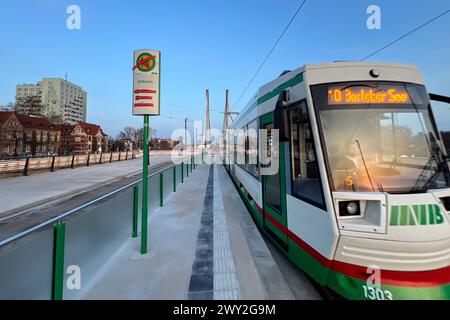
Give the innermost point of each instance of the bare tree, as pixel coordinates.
(135, 135)
(8, 107)
(54, 117)
(127, 133)
(29, 105)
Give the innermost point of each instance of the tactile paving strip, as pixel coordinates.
(226, 284)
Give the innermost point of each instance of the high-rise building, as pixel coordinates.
(54, 98)
(29, 99)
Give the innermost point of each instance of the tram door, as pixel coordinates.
(274, 189)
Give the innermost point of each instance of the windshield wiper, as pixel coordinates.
(441, 163)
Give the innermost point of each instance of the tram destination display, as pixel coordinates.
(354, 94)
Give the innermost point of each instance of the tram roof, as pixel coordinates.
(270, 86)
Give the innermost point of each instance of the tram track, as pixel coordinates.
(20, 221)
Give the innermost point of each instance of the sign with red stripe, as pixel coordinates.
(146, 82)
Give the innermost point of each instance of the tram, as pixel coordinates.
(360, 200)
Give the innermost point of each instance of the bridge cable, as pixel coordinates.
(268, 55)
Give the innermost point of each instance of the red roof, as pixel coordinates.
(89, 128)
(42, 123)
(65, 128)
(35, 122)
(4, 116)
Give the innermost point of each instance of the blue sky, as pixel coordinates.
(215, 44)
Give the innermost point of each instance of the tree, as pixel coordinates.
(127, 133)
(8, 107)
(135, 135)
(29, 105)
(54, 118)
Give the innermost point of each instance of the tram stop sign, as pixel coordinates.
(146, 82)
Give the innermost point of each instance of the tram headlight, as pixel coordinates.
(349, 208)
(352, 208)
(361, 212)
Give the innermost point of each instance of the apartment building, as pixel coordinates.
(53, 98)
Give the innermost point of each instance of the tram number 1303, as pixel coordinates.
(374, 293)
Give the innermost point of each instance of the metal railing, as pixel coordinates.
(51, 163)
(39, 262)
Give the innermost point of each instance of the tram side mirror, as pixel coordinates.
(441, 103)
(281, 116)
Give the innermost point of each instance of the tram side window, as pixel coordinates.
(251, 149)
(235, 149)
(241, 142)
(306, 183)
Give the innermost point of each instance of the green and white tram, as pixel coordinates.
(361, 200)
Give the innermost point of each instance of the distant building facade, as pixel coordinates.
(163, 144)
(29, 100)
(82, 138)
(27, 135)
(11, 134)
(40, 136)
(53, 98)
(22, 135)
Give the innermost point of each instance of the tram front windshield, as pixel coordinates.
(379, 137)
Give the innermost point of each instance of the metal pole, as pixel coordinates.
(185, 134)
(135, 210)
(144, 226)
(72, 166)
(175, 178)
(161, 189)
(58, 261)
(52, 169)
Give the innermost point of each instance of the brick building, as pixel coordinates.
(40, 136)
(27, 135)
(82, 138)
(11, 135)
(22, 135)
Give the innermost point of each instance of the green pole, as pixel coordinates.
(144, 223)
(58, 261)
(182, 172)
(187, 170)
(174, 178)
(135, 211)
(161, 189)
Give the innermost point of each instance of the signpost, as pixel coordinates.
(146, 97)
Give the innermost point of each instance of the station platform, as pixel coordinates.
(203, 244)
